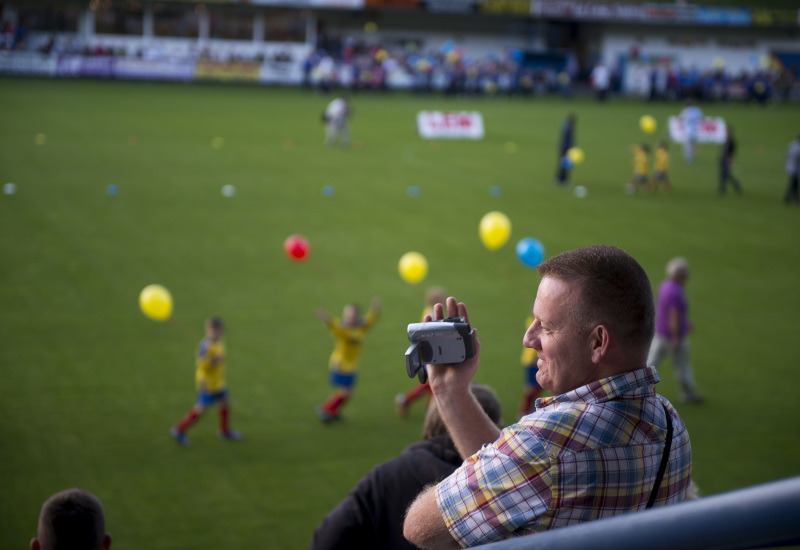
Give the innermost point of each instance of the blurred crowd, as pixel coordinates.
(774, 81)
(354, 65)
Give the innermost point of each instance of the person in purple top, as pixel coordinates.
(672, 329)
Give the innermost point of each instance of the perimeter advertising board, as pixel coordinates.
(711, 130)
(450, 125)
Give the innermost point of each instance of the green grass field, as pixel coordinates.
(90, 385)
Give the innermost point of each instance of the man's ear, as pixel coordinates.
(106, 542)
(599, 340)
(35, 544)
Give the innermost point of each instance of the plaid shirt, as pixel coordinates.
(590, 453)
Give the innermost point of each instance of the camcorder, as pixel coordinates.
(449, 340)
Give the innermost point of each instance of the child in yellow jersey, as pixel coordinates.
(435, 295)
(349, 336)
(641, 156)
(532, 388)
(211, 388)
(660, 169)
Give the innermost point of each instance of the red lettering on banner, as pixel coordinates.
(450, 124)
(450, 121)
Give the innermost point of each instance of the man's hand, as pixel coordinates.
(445, 378)
(469, 426)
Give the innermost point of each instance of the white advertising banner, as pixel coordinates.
(450, 124)
(711, 130)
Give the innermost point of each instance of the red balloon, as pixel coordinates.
(296, 248)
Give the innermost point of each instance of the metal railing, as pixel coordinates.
(762, 516)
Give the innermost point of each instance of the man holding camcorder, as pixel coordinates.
(604, 444)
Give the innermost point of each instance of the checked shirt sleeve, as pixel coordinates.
(499, 490)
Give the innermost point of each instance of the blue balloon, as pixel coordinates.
(495, 191)
(530, 252)
(112, 189)
(328, 190)
(414, 191)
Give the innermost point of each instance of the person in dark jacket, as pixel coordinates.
(726, 164)
(372, 514)
(565, 143)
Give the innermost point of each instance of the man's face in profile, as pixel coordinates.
(563, 349)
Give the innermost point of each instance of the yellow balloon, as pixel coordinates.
(156, 302)
(494, 229)
(413, 267)
(575, 154)
(648, 124)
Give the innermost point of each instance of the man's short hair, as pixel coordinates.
(216, 323)
(486, 398)
(614, 291)
(72, 519)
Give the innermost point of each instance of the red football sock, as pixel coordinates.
(188, 419)
(335, 402)
(416, 392)
(224, 412)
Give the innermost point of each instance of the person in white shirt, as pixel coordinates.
(601, 80)
(336, 126)
(692, 116)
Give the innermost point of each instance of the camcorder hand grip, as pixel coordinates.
(449, 341)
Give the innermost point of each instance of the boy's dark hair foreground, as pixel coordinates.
(72, 520)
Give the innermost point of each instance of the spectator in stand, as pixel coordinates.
(371, 516)
(599, 447)
(792, 168)
(74, 520)
(8, 35)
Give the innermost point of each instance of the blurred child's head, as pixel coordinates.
(351, 315)
(662, 145)
(435, 295)
(644, 147)
(486, 398)
(214, 327)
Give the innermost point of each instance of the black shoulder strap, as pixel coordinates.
(664, 459)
